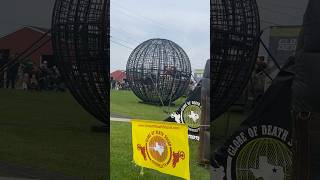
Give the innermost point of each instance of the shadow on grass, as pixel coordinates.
(51, 132)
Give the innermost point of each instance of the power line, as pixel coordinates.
(146, 19)
(122, 40)
(278, 5)
(270, 54)
(278, 12)
(283, 9)
(131, 14)
(269, 22)
(120, 44)
(124, 32)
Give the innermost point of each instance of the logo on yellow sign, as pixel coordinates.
(158, 149)
(161, 146)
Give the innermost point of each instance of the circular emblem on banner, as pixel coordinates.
(258, 152)
(266, 158)
(159, 148)
(191, 114)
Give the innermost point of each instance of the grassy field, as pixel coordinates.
(125, 103)
(224, 127)
(50, 131)
(122, 167)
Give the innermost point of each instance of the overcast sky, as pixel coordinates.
(185, 22)
(17, 13)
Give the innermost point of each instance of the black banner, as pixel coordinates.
(306, 96)
(190, 113)
(306, 86)
(262, 146)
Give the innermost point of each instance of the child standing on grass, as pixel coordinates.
(33, 82)
(25, 81)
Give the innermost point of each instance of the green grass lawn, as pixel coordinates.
(49, 130)
(224, 126)
(122, 167)
(125, 103)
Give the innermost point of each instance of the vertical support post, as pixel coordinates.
(301, 152)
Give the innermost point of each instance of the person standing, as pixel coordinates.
(34, 82)
(25, 81)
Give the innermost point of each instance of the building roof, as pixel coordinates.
(118, 75)
(22, 39)
(39, 29)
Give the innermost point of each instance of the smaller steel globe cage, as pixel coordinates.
(158, 71)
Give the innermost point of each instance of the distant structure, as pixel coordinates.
(118, 75)
(283, 42)
(158, 71)
(282, 45)
(18, 41)
(198, 74)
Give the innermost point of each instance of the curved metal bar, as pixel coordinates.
(158, 71)
(80, 38)
(235, 32)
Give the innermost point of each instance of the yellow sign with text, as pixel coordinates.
(161, 146)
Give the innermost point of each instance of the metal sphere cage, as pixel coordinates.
(158, 71)
(80, 38)
(235, 33)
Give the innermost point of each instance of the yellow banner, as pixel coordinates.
(161, 146)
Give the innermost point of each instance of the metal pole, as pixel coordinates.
(273, 59)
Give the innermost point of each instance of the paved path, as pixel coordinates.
(113, 115)
(119, 119)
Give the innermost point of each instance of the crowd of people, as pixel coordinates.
(124, 85)
(119, 85)
(43, 78)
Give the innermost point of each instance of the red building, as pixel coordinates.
(118, 75)
(18, 41)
